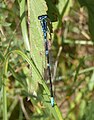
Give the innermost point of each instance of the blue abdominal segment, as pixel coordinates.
(52, 101)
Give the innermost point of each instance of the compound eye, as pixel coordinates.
(42, 17)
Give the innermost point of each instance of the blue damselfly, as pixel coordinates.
(43, 21)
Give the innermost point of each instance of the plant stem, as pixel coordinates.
(4, 91)
(4, 101)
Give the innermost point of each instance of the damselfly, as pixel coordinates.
(43, 21)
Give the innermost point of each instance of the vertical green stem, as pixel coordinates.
(4, 93)
(28, 7)
(23, 24)
(4, 102)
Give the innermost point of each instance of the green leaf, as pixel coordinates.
(90, 6)
(91, 82)
(63, 9)
(35, 39)
(45, 92)
(82, 108)
(78, 69)
(89, 111)
(5, 24)
(23, 25)
(52, 11)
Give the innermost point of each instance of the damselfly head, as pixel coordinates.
(42, 17)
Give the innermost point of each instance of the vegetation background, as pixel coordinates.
(24, 91)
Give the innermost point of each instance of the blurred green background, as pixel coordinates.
(24, 91)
